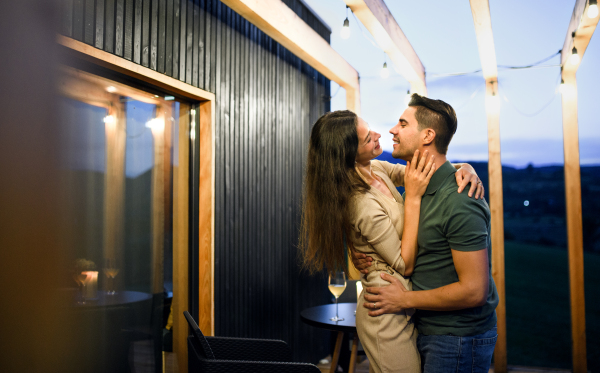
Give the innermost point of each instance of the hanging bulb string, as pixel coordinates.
(542, 108)
(460, 107)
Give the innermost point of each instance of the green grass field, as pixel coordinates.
(537, 306)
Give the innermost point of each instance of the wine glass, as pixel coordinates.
(80, 278)
(337, 285)
(110, 271)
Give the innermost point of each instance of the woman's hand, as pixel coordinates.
(465, 175)
(417, 174)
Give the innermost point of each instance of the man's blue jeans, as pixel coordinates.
(448, 353)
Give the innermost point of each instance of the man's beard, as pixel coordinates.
(402, 153)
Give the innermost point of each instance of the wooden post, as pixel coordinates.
(574, 220)
(114, 182)
(206, 221)
(497, 214)
(158, 211)
(180, 238)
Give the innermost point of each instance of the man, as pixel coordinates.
(454, 293)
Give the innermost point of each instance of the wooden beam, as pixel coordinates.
(482, 20)
(485, 38)
(496, 198)
(378, 19)
(158, 204)
(114, 185)
(584, 27)
(206, 221)
(574, 221)
(580, 31)
(121, 65)
(278, 21)
(180, 238)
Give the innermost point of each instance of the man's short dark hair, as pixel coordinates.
(439, 116)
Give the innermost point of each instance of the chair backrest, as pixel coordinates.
(197, 333)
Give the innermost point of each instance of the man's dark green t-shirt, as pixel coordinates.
(451, 220)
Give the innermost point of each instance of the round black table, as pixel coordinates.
(320, 316)
(120, 298)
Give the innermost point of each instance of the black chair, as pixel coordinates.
(221, 354)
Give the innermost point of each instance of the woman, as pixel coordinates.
(348, 194)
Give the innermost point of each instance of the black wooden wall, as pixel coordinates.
(266, 102)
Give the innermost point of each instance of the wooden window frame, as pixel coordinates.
(205, 122)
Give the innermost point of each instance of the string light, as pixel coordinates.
(562, 86)
(345, 32)
(574, 57)
(111, 89)
(592, 9)
(109, 119)
(407, 98)
(385, 73)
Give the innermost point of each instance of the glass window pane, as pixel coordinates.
(118, 188)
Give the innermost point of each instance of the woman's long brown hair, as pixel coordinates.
(331, 179)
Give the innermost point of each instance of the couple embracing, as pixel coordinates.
(429, 300)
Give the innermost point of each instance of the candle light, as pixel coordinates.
(91, 285)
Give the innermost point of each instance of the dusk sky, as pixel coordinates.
(443, 35)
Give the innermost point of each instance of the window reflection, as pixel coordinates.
(117, 162)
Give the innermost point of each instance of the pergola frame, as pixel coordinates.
(378, 19)
(580, 31)
(278, 21)
(487, 54)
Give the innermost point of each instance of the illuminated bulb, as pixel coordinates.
(156, 124)
(111, 89)
(345, 33)
(385, 73)
(169, 98)
(407, 98)
(574, 57)
(562, 87)
(109, 119)
(592, 9)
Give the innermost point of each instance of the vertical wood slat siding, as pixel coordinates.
(137, 31)
(119, 24)
(99, 40)
(266, 102)
(109, 26)
(128, 34)
(89, 22)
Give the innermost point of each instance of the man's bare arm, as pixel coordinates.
(470, 291)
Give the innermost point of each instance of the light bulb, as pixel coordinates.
(385, 73)
(574, 57)
(109, 119)
(407, 98)
(345, 33)
(156, 124)
(592, 10)
(562, 87)
(111, 89)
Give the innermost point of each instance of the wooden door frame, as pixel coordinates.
(204, 117)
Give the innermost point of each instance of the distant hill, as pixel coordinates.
(534, 203)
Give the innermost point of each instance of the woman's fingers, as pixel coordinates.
(428, 166)
(473, 188)
(480, 190)
(415, 160)
(431, 172)
(422, 161)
